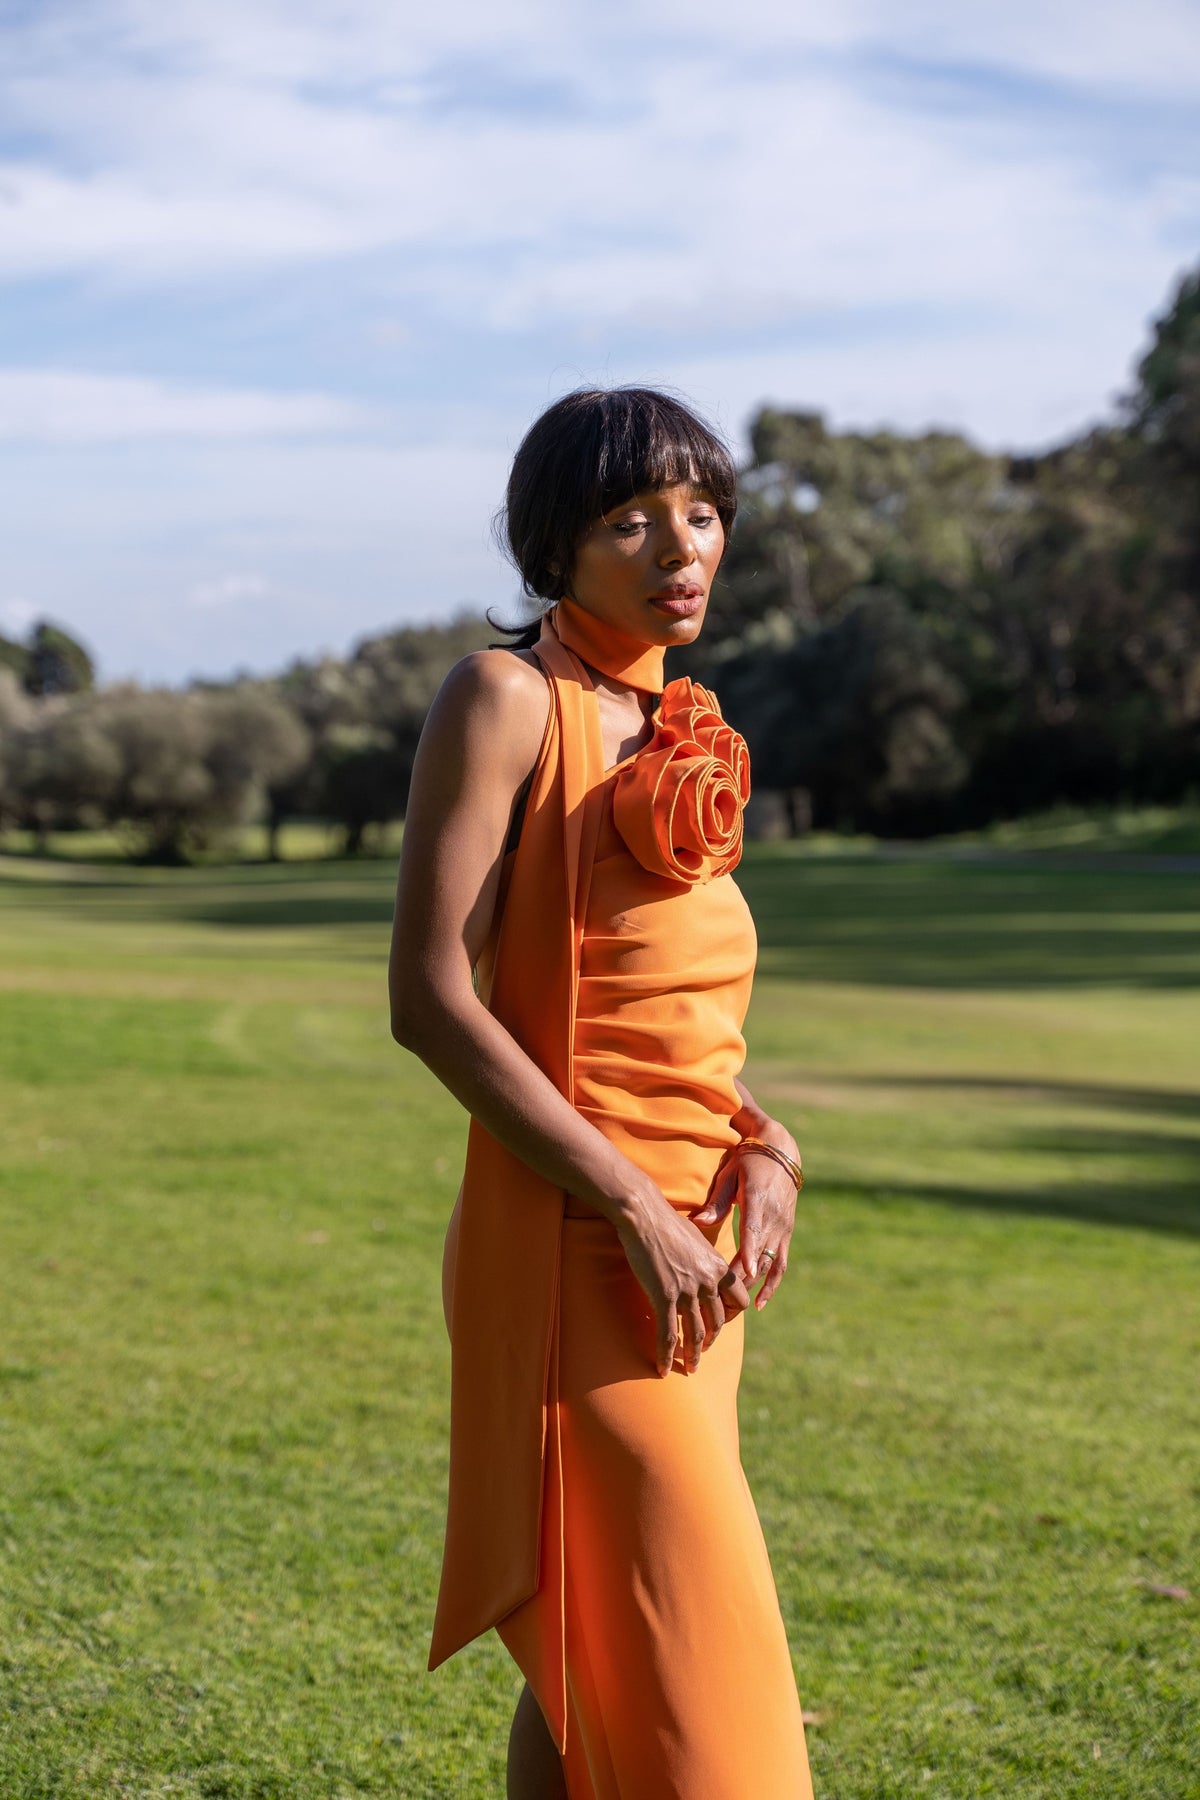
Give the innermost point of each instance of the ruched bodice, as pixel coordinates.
(664, 983)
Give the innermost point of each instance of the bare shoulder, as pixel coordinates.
(500, 696)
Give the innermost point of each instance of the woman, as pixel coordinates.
(572, 959)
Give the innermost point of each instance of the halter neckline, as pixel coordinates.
(604, 647)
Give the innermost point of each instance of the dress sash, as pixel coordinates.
(504, 1462)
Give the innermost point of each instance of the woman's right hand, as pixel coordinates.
(690, 1286)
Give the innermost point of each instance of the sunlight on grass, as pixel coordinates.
(970, 1423)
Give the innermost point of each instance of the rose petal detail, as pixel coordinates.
(678, 804)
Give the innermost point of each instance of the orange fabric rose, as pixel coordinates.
(678, 803)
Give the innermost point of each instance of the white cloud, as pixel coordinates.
(1151, 48)
(833, 207)
(228, 590)
(136, 229)
(18, 615)
(217, 143)
(1033, 386)
(66, 406)
(358, 45)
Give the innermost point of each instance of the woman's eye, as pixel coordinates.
(703, 519)
(627, 527)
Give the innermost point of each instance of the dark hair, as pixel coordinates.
(592, 450)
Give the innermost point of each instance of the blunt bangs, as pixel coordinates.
(593, 450)
(651, 443)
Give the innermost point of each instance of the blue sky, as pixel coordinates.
(281, 285)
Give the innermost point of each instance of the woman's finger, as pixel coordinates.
(778, 1269)
(732, 1290)
(751, 1239)
(694, 1332)
(667, 1338)
(713, 1308)
(768, 1219)
(720, 1201)
(759, 1206)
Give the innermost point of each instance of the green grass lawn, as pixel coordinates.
(971, 1420)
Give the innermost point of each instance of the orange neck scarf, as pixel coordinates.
(603, 647)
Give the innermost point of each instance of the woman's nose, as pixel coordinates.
(677, 544)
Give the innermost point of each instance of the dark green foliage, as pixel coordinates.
(857, 713)
(57, 663)
(365, 716)
(1166, 404)
(362, 780)
(50, 662)
(920, 636)
(14, 656)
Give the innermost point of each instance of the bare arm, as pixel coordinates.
(478, 747)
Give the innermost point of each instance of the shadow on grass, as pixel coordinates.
(1179, 1102)
(940, 925)
(885, 923)
(890, 923)
(298, 911)
(268, 896)
(1164, 1195)
(1171, 1206)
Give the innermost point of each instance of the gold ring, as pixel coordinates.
(769, 1254)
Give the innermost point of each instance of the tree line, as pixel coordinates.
(915, 635)
(175, 771)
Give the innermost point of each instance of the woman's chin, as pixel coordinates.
(670, 629)
(683, 631)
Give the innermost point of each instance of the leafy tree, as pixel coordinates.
(1058, 595)
(15, 714)
(823, 514)
(257, 745)
(363, 780)
(163, 791)
(857, 715)
(1165, 406)
(14, 658)
(57, 663)
(65, 766)
(375, 706)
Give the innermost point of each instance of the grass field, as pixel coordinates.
(1100, 831)
(971, 1421)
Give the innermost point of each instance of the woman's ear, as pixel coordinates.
(561, 584)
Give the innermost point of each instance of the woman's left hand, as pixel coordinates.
(765, 1194)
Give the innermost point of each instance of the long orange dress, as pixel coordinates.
(651, 1633)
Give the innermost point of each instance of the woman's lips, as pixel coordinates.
(681, 605)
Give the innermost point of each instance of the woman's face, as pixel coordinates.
(647, 567)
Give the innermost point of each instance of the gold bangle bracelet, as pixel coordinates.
(781, 1157)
